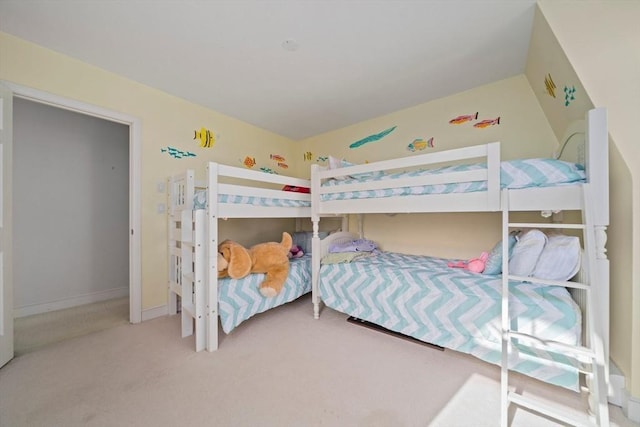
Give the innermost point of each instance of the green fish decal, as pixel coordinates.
(372, 138)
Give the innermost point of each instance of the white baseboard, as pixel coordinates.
(69, 302)
(152, 313)
(616, 385)
(619, 395)
(631, 407)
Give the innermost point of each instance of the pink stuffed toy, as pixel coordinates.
(295, 252)
(475, 265)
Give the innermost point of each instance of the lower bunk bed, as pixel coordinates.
(424, 298)
(193, 286)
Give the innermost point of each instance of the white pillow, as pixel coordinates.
(336, 163)
(560, 258)
(526, 252)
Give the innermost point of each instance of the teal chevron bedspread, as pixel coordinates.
(421, 297)
(514, 174)
(200, 201)
(240, 299)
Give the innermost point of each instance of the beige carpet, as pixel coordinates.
(281, 368)
(40, 330)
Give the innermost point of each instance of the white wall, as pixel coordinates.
(71, 208)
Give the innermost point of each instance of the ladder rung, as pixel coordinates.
(546, 225)
(189, 308)
(541, 406)
(176, 288)
(557, 346)
(576, 285)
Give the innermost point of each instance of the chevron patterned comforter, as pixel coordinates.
(514, 174)
(200, 201)
(421, 297)
(240, 299)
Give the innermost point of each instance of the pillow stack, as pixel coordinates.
(534, 254)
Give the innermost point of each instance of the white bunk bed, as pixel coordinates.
(193, 245)
(370, 188)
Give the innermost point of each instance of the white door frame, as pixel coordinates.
(135, 281)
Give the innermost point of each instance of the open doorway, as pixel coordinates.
(71, 224)
(134, 126)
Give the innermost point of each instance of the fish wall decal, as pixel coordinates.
(206, 137)
(486, 123)
(372, 138)
(464, 118)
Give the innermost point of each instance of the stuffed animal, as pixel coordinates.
(295, 252)
(475, 265)
(269, 258)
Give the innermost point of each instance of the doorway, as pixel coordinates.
(70, 206)
(134, 214)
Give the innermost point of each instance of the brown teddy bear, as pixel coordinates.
(269, 258)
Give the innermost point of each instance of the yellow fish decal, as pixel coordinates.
(420, 144)
(206, 137)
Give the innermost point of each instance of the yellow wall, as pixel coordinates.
(166, 121)
(600, 40)
(523, 132)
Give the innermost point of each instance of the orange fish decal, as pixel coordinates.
(249, 162)
(462, 119)
(486, 123)
(277, 157)
(283, 165)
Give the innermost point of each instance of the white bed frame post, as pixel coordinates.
(597, 153)
(212, 254)
(315, 241)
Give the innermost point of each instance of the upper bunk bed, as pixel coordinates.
(193, 246)
(472, 184)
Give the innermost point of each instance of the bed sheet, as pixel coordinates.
(240, 299)
(422, 297)
(200, 201)
(513, 174)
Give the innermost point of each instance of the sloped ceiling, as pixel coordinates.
(296, 68)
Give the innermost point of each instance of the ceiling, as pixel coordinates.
(351, 60)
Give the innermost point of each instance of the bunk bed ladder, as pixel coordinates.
(186, 254)
(591, 356)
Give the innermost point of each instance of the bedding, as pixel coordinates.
(240, 299)
(200, 201)
(514, 174)
(494, 261)
(526, 252)
(560, 258)
(421, 297)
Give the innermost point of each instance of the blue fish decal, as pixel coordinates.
(177, 154)
(268, 170)
(372, 138)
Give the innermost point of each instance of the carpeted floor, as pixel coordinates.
(280, 368)
(40, 330)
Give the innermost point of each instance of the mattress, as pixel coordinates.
(513, 174)
(422, 297)
(200, 201)
(240, 299)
